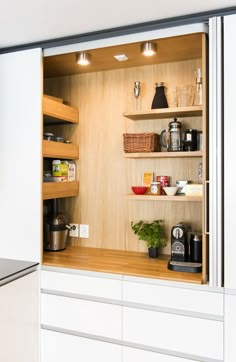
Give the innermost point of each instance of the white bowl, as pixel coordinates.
(170, 190)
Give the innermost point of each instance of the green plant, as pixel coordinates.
(151, 232)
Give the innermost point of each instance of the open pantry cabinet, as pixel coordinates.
(103, 94)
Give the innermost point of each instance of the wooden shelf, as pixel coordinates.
(180, 154)
(57, 112)
(53, 190)
(178, 198)
(59, 150)
(191, 111)
(118, 262)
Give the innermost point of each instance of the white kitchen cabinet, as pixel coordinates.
(61, 347)
(230, 328)
(89, 284)
(81, 315)
(19, 323)
(20, 150)
(138, 355)
(173, 332)
(229, 152)
(174, 297)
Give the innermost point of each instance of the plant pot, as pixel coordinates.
(153, 252)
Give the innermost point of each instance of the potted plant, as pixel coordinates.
(152, 233)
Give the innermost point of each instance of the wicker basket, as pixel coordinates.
(141, 142)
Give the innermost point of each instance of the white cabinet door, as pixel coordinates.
(229, 151)
(83, 316)
(19, 322)
(138, 355)
(230, 328)
(60, 347)
(20, 152)
(172, 332)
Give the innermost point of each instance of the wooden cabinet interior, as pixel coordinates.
(56, 113)
(106, 104)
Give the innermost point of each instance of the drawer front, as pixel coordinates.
(195, 336)
(81, 315)
(174, 297)
(60, 347)
(81, 284)
(139, 355)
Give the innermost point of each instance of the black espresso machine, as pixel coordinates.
(186, 250)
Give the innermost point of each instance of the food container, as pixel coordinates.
(48, 136)
(155, 188)
(164, 181)
(60, 169)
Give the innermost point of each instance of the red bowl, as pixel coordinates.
(139, 190)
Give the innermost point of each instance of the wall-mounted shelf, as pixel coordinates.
(177, 198)
(53, 190)
(191, 111)
(59, 150)
(164, 154)
(57, 112)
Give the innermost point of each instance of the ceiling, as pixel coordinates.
(27, 21)
(171, 49)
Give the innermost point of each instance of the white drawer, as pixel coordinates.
(60, 347)
(81, 284)
(174, 297)
(81, 315)
(172, 332)
(139, 355)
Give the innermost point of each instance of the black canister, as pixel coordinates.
(159, 100)
(190, 140)
(196, 248)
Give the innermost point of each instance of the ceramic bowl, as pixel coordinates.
(139, 190)
(170, 190)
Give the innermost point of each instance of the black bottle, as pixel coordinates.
(159, 100)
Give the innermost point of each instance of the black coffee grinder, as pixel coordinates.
(180, 258)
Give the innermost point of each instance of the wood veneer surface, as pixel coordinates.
(117, 262)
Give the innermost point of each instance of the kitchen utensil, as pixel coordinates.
(190, 140)
(55, 230)
(159, 100)
(174, 136)
(139, 190)
(170, 190)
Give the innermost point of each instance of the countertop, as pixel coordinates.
(117, 262)
(11, 269)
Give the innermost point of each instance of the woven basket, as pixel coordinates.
(141, 142)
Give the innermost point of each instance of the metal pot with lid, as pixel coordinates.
(174, 138)
(56, 230)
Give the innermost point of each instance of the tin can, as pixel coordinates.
(60, 169)
(155, 188)
(164, 181)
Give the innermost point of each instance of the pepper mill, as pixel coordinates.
(159, 100)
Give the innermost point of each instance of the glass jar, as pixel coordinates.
(155, 188)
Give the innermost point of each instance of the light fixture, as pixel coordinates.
(83, 58)
(121, 57)
(148, 49)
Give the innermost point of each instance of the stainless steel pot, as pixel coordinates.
(56, 231)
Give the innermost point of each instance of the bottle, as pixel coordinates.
(198, 90)
(159, 100)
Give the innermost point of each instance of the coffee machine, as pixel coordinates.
(180, 255)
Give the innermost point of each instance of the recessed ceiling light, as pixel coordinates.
(148, 49)
(83, 58)
(121, 57)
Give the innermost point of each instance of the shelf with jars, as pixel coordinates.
(56, 113)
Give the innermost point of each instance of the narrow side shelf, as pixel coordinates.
(164, 154)
(56, 112)
(53, 190)
(191, 111)
(53, 149)
(177, 198)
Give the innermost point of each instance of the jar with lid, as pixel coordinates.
(60, 170)
(155, 188)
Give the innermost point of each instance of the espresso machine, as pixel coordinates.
(181, 256)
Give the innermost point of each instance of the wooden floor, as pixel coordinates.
(118, 262)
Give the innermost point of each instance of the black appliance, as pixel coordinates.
(181, 258)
